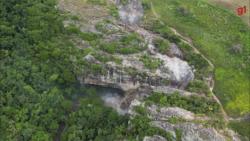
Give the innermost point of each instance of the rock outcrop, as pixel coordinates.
(130, 95)
(131, 13)
(155, 138)
(174, 51)
(163, 113)
(190, 131)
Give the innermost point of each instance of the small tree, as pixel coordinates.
(67, 105)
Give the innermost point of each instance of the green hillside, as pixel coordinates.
(220, 36)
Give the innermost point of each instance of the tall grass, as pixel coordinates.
(213, 30)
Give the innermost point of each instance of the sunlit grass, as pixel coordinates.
(213, 30)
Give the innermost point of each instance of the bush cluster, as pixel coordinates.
(105, 59)
(161, 44)
(196, 104)
(192, 57)
(149, 62)
(159, 28)
(110, 48)
(141, 110)
(198, 87)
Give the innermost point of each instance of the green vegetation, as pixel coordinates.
(134, 71)
(111, 48)
(142, 128)
(105, 59)
(127, 50)
(127, 40)
(178, 134)
(97, 2)
(198, 87)
(141, 110)
(100, 27)
(160, 28)
(94, 121)
(196, 104)
(36, 73)
(75, 17)
(241, 127)
(213, 30)
(161, 44)
(193, 58)
(67, 105)
(113, 11)
(149, 62)
(216, 123)
(124, 2)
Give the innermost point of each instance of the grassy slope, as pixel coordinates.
(233, 5)
(240, 127)
(213, 30)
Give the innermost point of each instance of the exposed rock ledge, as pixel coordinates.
(164, 113)
(190, 131)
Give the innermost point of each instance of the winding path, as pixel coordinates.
(197, 51)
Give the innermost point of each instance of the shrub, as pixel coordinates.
(149, 62)
(161, 44)
(113, 11)
(98, 69)
(173, 120)
(86, 52)
(141, 110)
(146, 5)
(198, 87)
(193, 103)
(178, 134)
(111, 48)
(67, 105)
(128, 39)
(109, 22)
(72, 29)
(75, 17)
(127, 50)
(124, 2)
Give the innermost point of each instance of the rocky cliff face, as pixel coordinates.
(178, 75)
(179, 72)
(190, 131)
(131, 13)
(163, 113)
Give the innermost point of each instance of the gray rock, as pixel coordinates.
(164, 113)
(190, 131)
(131, 13)
(174, 51)
(155, 138)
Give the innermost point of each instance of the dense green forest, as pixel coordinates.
(36, 73)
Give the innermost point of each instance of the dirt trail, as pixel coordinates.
(210, 79)
(158, 16)
(184, 39)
